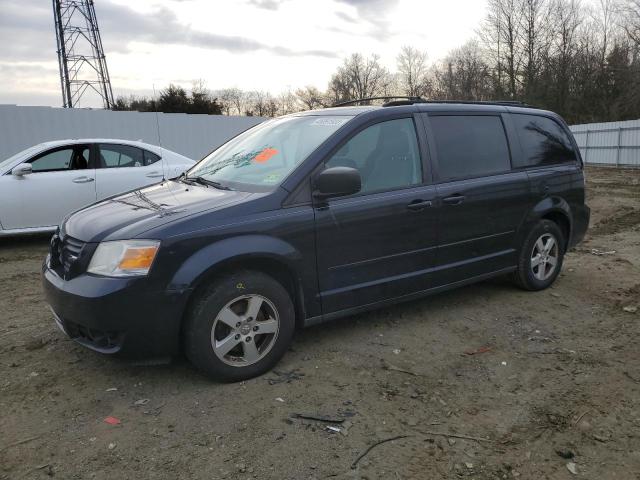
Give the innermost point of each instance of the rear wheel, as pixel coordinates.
(239, 327)
(541, 257)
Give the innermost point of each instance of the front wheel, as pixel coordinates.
(540, 257)
(239, 327)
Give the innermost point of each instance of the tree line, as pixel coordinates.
(579, 59)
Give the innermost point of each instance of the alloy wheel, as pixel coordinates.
(245, 330)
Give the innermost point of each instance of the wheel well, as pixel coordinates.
(562, 221)
(274, 268)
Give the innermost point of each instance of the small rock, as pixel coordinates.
(112, 389)
(630, 309)
(600, 438)
(241, 467)
(112, 446)
(452, 441)
(397, 351)
(142, 401)
(572, 467)
(504, 364)
(469, 465)
(566, 454)
(279, 399)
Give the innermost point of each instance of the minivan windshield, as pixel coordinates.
(262, 157)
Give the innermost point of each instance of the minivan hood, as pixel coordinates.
(131, 214)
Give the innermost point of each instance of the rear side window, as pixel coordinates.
(150, 157)
(543, 141)
(470, 145)
(117, 156)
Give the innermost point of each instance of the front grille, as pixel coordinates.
(70, 250)
(68, 255)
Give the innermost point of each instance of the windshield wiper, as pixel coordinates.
(208, 183)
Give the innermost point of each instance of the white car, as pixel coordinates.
(42, 184)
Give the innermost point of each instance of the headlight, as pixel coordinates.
(124, 258)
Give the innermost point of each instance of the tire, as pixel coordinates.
(224, 340)
(532, 275)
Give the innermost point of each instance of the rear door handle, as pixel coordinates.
(83, 179)
(453, 200)
(419, 204)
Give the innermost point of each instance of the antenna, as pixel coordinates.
(164, 175)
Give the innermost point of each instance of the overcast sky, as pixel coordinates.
(251, 44)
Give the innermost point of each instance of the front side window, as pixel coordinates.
(72, 158)
(386, 155)
(470, 145)
(543, 141)
(263, 156)
(116, 156)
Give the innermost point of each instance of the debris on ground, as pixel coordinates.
(595, 251)
(319, 418)
(572, 467)
(566, 454)
(112, 421)
(285, 377)
(280, 399)
(630, 309)
(478, 350)
(371, 447)
(142, 401)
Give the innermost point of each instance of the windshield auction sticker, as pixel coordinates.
(329, 122)
(265, 155)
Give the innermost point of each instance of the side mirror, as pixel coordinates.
(22, 169)
(336, 182)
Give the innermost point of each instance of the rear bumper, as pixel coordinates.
(581, 217)
(115, 315)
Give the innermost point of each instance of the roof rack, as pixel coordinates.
(406, 100)
(506, 103)
(397, 100)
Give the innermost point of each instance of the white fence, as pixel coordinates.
(613, 143)
(191, 135)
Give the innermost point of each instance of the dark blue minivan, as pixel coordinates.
(314, 216)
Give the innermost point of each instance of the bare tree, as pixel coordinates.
(630, 15)
(412, 72)
(501, 33)
(310, 97)
(360, 77)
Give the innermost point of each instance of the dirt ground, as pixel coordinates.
(560, 377)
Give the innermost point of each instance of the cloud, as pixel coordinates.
(27, 32)
(373, 12)
(161, 26)
(266, 4)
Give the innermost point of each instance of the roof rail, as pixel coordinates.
(406, 100)
(506, 103)
(396, 100)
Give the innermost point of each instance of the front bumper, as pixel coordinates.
(116, 315)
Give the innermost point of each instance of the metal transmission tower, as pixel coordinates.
(82, 62)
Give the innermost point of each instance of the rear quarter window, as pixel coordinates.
(470, 145)
(543, 141)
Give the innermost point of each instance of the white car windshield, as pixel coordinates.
(266, 154)
(24, 153)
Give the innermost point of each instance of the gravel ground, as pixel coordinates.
(556, 374)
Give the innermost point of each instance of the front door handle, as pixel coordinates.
(419, 205)
(83, 179)
(453, 199)
(154, 174)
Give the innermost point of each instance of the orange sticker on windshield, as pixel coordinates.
(265, 155)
